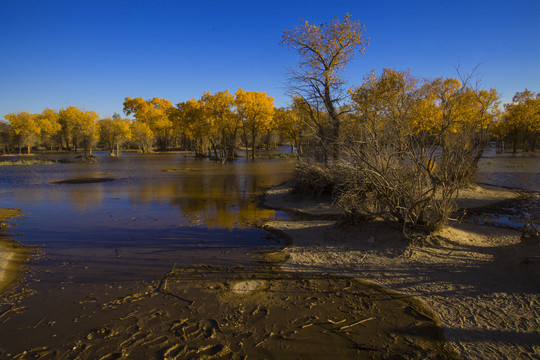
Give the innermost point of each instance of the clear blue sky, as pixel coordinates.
(93, 54)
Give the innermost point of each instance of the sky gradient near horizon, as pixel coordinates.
(93, 54)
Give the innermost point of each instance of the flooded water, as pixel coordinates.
(518, 170)
(159, 211)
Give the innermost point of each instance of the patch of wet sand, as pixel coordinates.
(12, 255)
(194, 312)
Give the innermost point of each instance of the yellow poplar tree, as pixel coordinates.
(196, 125)
(522, 120)
(224, 123)
(85, 126)
(26, 127)
(156, 113)
(80, 125)
(67, 117)
(325, 50)
(142, 135)
(256, 110)
(290, 126)
(114, 132)
(49, 125)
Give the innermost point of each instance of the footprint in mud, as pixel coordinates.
(258, 314)
(103, 333)
(155, 342)
(203, 329)
(213, 351)
(111, 356)
(210, 351)
(177, 351)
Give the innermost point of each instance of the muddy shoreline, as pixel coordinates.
(480, 280)
(255, 311)
(212, 312)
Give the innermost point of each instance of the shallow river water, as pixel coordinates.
(518, 170)
(158, 211)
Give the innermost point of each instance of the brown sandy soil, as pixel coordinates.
(210, 312)
(482, 282)
(6, 214)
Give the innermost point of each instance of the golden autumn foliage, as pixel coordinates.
(256, 110)
(114, 132)
(80, 125)
(156, 113)
(191, 118)
(25, 127)
(224, 123)
(521, 121)
(328, 47)
(390, 96)
(49, 125)
(427, 107)
(291, 127)
(142, 136)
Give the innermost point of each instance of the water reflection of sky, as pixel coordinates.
(146, 187)
(164, 202)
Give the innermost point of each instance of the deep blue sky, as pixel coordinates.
(93, 54)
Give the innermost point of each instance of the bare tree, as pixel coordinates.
(325, 51)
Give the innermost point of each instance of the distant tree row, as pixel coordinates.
(322, 113)
(69, 128)
(217, 124)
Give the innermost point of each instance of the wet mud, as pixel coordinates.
(217, 312)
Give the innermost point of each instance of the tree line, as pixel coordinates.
(217, 124)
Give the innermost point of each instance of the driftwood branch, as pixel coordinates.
(356, 323)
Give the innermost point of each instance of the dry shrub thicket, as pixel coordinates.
(406, 149)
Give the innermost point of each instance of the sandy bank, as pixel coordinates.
(5, 258)
(9, 253)
(481, 281)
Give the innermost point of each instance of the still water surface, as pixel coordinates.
(161, 210)
(510, 170)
